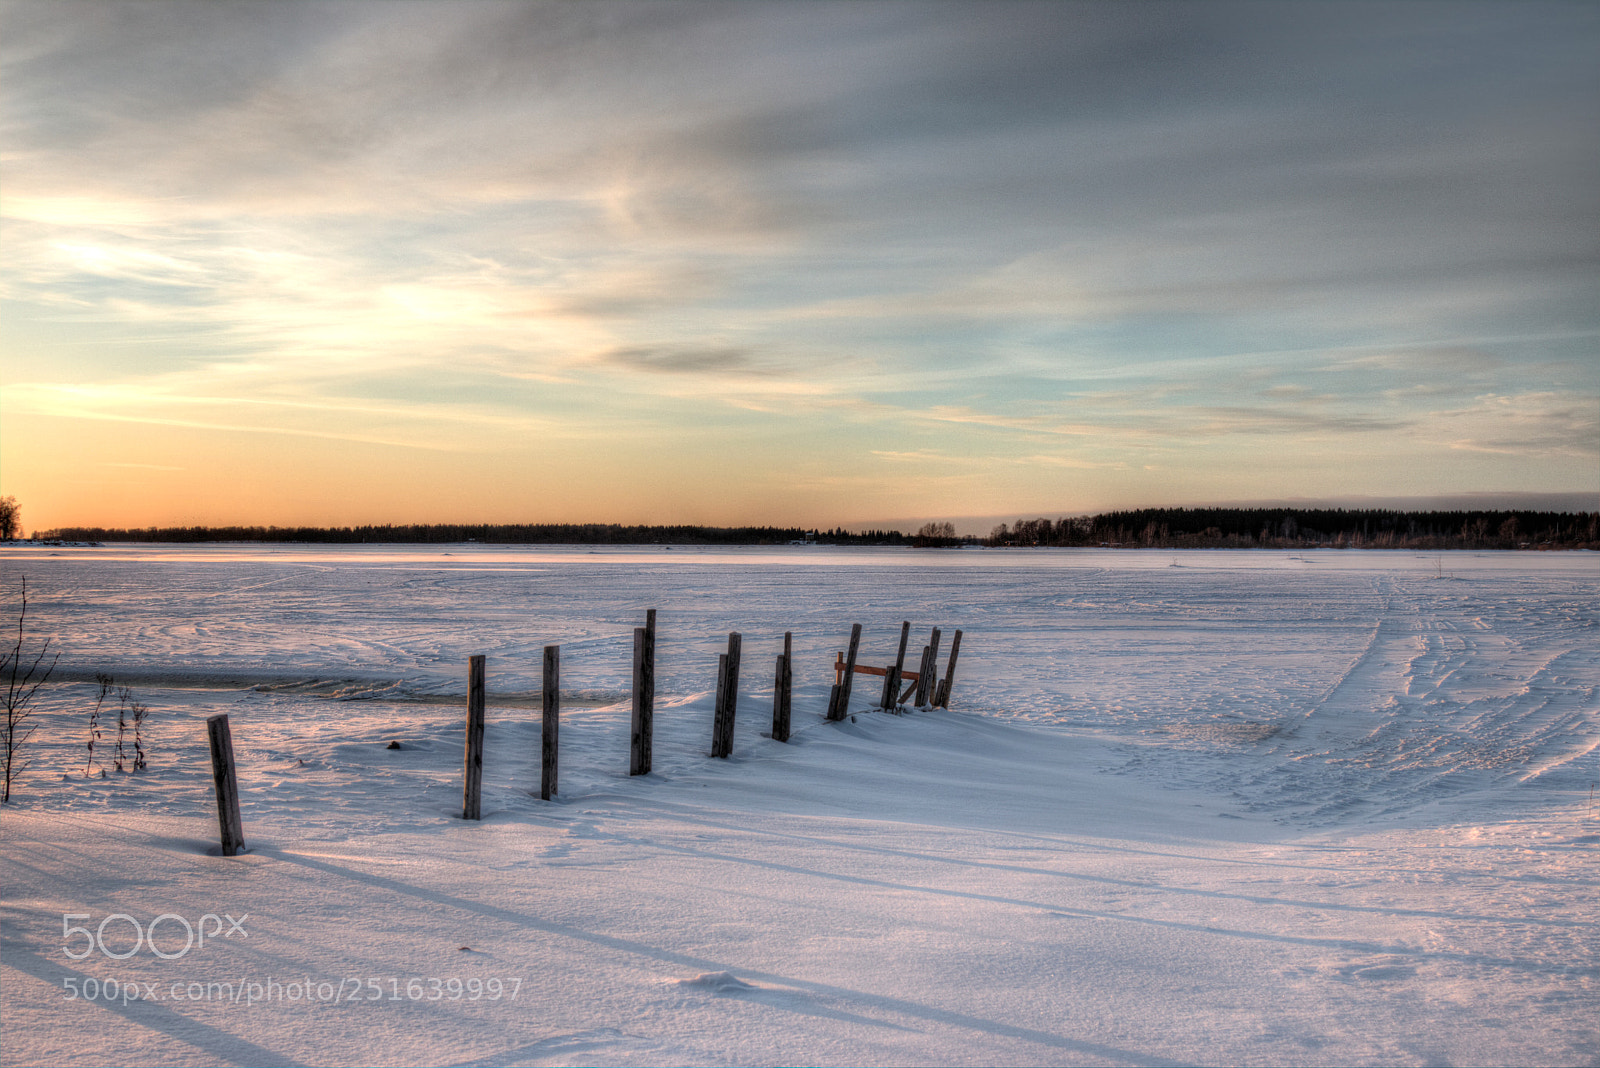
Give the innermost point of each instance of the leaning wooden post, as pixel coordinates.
(780, 692)
(727, 698)
(930, 665)
(917, 689)
(943, 699)
(550, 733)
(472, 774)
(227, 780)
(891, 678)
(644, 694)
(839, 696)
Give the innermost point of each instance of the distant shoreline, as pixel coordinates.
(970, 544)
(1153, 528)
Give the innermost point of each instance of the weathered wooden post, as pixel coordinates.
(891, 678)
(644, 694)
(727, 698)
(718, 713)
(550, 733)
(839, 696)
(930, 665)
(943, 698)
(780, 692)
(472, 774)
(227, 780)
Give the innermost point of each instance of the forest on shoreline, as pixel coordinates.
(1285, 528)
(1151, 528)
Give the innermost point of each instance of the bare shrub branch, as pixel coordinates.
(22, 686)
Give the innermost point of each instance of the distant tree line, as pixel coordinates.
(1255, 528)
(498, 533)
(1153, 528)
(939, 536)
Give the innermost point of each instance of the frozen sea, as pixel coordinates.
(1193, 807)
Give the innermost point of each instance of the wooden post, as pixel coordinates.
(839, 696)
(227, 780)
(917, 688)
(550, 733)
(719, 709)
(472, 774)
(930, 664)
(780, 692)
(943, 698)
(891, 678)
(644, 695)
(727, 698)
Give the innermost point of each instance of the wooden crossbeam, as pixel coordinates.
(863, 669)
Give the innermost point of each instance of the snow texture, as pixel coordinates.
(1194, 807)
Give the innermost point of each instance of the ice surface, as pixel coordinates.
(1200, 807)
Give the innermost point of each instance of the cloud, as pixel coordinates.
(1528, 424)
(1135, 227)
(682, 360)
(1075, 463)
(450, 427)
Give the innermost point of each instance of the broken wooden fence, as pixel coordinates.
(924, 686)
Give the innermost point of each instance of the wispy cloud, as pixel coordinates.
(682, 360)
(405, 425)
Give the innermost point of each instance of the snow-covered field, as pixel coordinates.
(1230, 808)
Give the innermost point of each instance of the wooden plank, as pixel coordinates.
(226, 777)
(839, 697)
(943, 699)
(781, 686)
(644, 698)
(472, 771)
(550, 730)
(868, 669)
(891, 677)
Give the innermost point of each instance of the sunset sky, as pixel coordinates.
(817, 263)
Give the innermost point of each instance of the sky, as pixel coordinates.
(791, 263)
